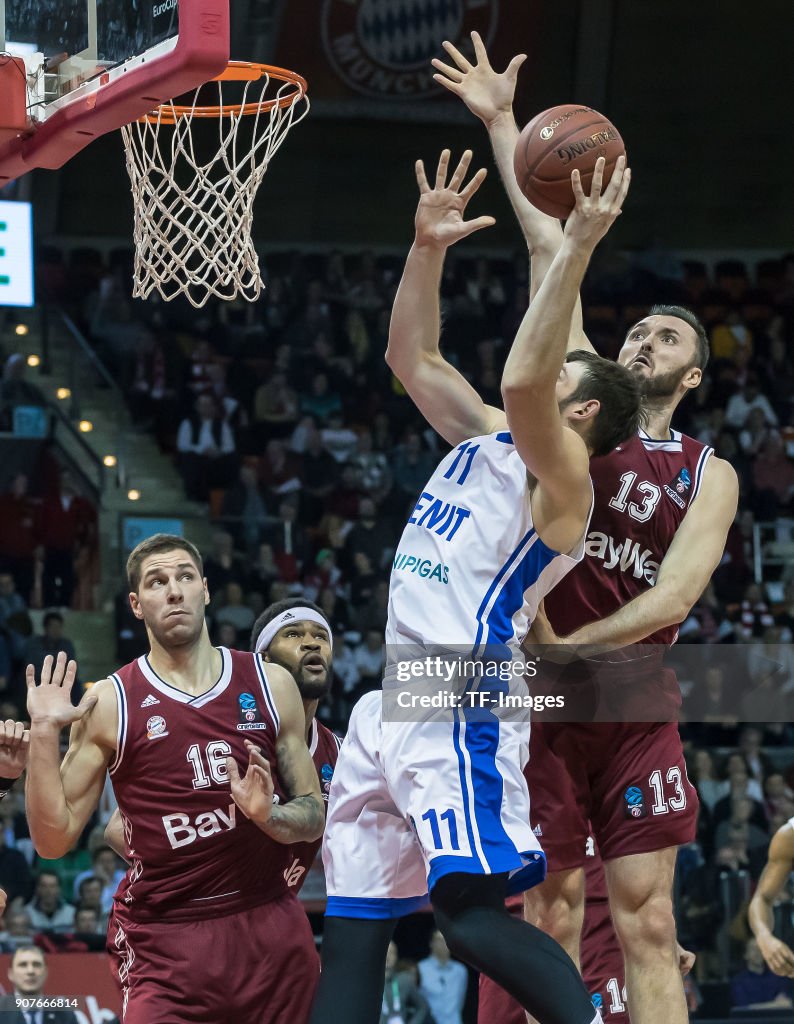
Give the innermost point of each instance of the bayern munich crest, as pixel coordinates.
(383, 48)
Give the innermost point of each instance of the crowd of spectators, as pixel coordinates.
(284, 420)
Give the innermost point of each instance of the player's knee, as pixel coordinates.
(647, 928)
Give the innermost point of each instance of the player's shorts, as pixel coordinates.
(414, 801)
(259, 966)
(626, 784)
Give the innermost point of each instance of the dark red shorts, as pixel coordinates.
(623, 782)
(259, 966)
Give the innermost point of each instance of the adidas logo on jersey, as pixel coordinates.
(148, 701)
(538, 831)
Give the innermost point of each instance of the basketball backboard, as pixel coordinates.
(91, 66)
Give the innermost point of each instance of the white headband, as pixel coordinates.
(291, 614)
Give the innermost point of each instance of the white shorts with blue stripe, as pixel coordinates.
(411, 802)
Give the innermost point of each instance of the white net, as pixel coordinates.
(193, 192)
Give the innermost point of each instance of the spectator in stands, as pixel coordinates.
(207, 449)
(756, 431)
(747, 398)
(17, 931)
(713, 708)
(443, 982)
(412, 466)
(756, 987)
(375, 614)
(773, 479)
(319, 475)
(234, 611)
(778, 795)
(11, 602)
(52, 641)
(322, 402)
(759, 765)
(280, 471)
(244, 504)
(369, 662)
(69, 535)
(89, 896)
(344, 663)
(371, 535)
(48, 910)
(28, 976)
(704, 778)
(20, 536)
(105, 866)
(402, 1000)
(742, 810)
(373, 475)
(276, 409)
(339, 440)
(15, 390)
(15, 877)
(736, 856)
(289, 541)
(222, 565)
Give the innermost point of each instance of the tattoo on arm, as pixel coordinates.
(302, 818)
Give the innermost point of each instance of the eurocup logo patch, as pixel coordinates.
(156, 728)
(326, 776)
(635, 802)
(597, 1000)
(382, 48)
(679, 487)
(249, 713)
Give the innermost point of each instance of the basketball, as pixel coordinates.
(553, 144)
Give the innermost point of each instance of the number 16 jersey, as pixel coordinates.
(193, 853)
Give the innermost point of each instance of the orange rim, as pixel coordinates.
(237, 71)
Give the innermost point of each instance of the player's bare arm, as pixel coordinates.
(554, 454)
(489, 96)
(302, 818)
(779, 865)
(61, 796)
(442, 394)
(686, 569)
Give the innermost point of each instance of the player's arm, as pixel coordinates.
(779, 956)
(61, 796)
(554, 454)
(686, 569)
(442, 394)
(489, 96)
(302, 818)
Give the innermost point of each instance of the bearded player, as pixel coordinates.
(663, 508)
(295, 634)
(438, 805)
(209, 848)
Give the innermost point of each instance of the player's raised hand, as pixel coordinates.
(14, 745)
(779, 956)
(595, 214)
(50, 701)
(487, 93)
(253, 793)
(439, 217)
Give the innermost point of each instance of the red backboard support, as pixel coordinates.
(201, 52)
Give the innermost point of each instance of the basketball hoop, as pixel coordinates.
(194, 211)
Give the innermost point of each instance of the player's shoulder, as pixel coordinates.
(102, 720)
(783, 841)
(327, 738)
(719, 480)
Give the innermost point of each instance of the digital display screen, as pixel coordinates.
(16, 254)
(125, 28)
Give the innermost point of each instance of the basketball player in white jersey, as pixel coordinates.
(780, 863)
(441, 804)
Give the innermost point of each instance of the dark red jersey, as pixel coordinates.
(324, 748)
(193, 853)
(643, 490)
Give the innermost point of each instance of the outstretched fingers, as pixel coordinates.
(452, 73)
(462, 62)
(474, 184)
(421, 177)
(576, 185)
(441, 170)
(598, 178)
(460, 171)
